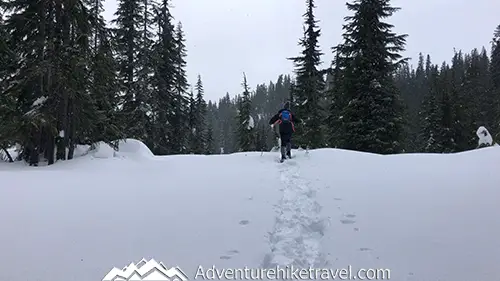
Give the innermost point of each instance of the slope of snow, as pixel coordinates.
(423, 217)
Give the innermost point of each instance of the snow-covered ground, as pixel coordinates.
(423, 217)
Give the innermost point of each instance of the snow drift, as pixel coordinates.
(422, 217)
(128, 148)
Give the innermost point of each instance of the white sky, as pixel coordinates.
(228, 37)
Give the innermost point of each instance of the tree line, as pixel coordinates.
(66, 78)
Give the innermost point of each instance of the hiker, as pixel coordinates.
(286, 121)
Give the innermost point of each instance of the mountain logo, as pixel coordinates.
(146, 270)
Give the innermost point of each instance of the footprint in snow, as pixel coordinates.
(347, 221)
(364, 249)
(244, 222)
(229, 255)
(337, 199)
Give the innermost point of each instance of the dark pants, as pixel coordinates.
(286, 145)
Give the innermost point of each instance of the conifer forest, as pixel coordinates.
(67, 78)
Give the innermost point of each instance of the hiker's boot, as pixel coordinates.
(283, 153)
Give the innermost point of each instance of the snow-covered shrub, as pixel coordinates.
(484, 136)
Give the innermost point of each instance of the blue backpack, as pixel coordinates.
(286, 116)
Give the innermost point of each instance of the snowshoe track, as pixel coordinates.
(298, 229)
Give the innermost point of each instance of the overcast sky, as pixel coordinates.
(228, 37)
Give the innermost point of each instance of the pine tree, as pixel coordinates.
(445, 134)
(372, 119)
(103, 83)
(471, 95)
(200, 122)
(261, 137)
(431, 114)
(104, 92)
(336, 104)
(180, 106)
(458, 108)
(308, 89)
(7, 103)
(495, 74)
(245, 120)
(209, 143)
(164, 80)
(191, 123)
(50, 41)
(131, 59)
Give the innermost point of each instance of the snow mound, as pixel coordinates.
(128, 148)
(81, 150)
(134, 148)
(104, 150)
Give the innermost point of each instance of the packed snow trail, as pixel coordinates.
(299, 228)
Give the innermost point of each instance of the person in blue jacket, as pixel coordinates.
(286, 120)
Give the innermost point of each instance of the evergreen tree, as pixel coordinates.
(104, 92)
(199, 110)
(372, 119)
(245, 126)
(50, 43)
(209, 144)
(431, 114)
(131, 58)
(495, 76)
(470, 97)
(164, 78)
(308, 90)
(7, 103)
(191, 123)
(445, 134)
(405, 82)
(418, 89)
(180, 102)
(458, 108)
(261, 137)
(336, 104)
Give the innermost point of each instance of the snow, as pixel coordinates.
(39, 101)
(36, 105)
(13, 152)
(128, 148)
(133, 148)
(103, 150)
(424, 217)
(484, 136)
(251, 123)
